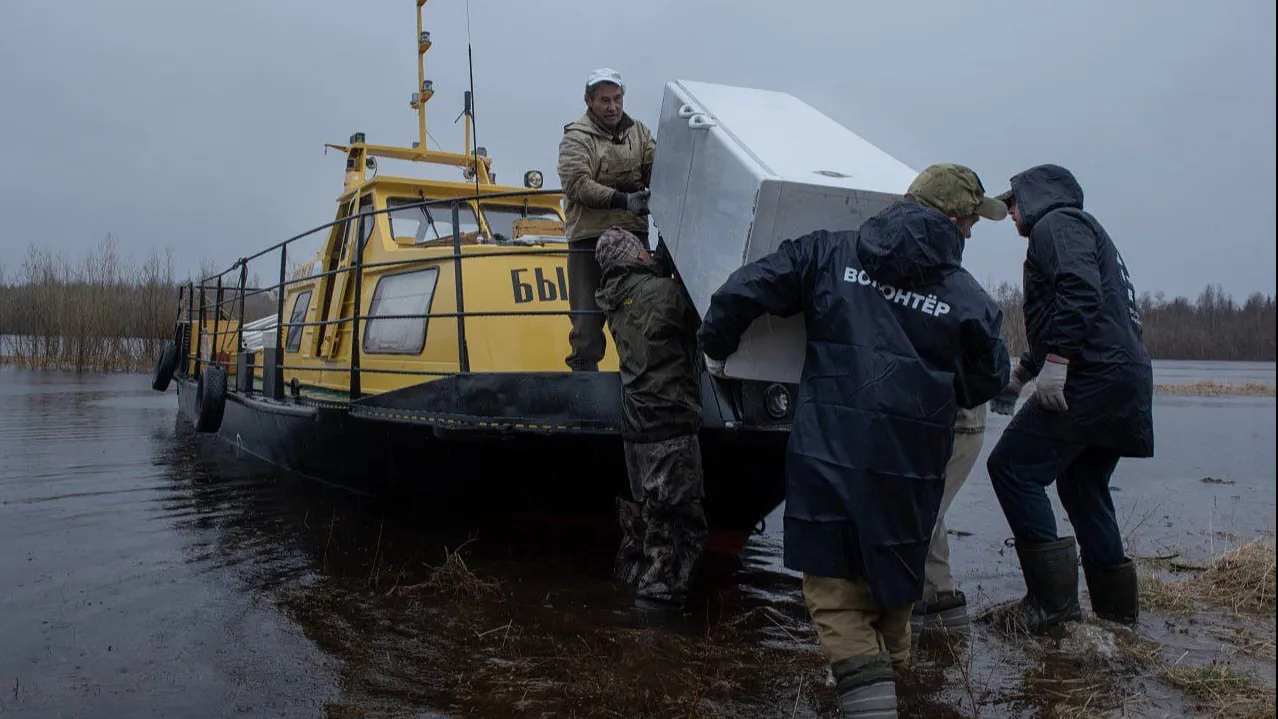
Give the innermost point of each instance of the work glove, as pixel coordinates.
(1051, 383)
(637, 202)
(715, 367)
(1005, 402)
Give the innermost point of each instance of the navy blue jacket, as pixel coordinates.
(899, 336)
(1080, 304)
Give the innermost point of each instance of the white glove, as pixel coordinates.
(1051, 384)
(714, 366)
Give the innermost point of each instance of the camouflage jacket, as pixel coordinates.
(654, 327)
(595, 166)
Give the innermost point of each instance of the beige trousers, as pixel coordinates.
(850, 624)
(937, 578)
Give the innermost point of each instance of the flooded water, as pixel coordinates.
(146, 570)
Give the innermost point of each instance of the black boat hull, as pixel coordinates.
(565, 477)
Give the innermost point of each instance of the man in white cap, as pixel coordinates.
(605, 165)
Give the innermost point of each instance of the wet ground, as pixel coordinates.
(149, 571)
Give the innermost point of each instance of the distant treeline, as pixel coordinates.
(1212, 327)
(105, 313)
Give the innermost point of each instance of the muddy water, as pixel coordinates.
(149, 571)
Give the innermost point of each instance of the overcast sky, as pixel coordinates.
(201, 125)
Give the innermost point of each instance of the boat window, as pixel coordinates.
(501, 218)
(404, 293)
(294, 342)
(425, 224)
(366, 223)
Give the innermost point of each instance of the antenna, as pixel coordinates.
(470, 103)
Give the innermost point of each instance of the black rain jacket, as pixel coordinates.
(899, 336)
(1080, 304)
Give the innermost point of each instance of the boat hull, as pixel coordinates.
(562, 478)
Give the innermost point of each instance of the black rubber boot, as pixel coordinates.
(866, 687)
(1114, 590)
(1051, 589)
(628, 564)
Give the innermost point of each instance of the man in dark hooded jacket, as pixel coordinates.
(654, 327)
(899, 337)
(1092, 405)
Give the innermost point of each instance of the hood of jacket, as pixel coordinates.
(909, 245)
(588, 124)
(1044, 188)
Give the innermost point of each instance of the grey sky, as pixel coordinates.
(201, 125)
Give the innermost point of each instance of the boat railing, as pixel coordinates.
(235, 294)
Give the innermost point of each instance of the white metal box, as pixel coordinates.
(737, 172)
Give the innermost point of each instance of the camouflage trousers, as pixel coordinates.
(663, 527)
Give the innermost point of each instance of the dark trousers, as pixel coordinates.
(1022, 465)
(586, 336)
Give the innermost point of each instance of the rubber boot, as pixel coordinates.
(866, 687)
(1114, 590)
(628, 564)
(1051, 589)
(947, 611)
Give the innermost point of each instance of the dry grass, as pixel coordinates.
(1213, 389)
(1241, 580)
(1240, 583)
(1226, 693)
(455, 579)
(1216, 688)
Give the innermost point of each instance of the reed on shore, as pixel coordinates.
(102, 313)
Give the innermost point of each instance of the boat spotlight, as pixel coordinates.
(777, 401)
(370, 163)
(532, 179)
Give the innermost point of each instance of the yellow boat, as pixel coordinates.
(423, 349)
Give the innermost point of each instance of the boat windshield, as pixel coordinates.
(501, 218)
(425, 224)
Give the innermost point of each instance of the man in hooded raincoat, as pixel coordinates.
(1092, 405)
(899, 337)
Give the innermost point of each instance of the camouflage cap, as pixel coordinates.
(956, 191)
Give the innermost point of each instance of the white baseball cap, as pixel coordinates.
(604, 74)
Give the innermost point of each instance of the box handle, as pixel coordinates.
(686, 111)
(700, 121)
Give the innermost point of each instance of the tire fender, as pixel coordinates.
(210, 399)
(165, 366)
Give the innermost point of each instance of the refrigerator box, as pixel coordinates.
(738, 171)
